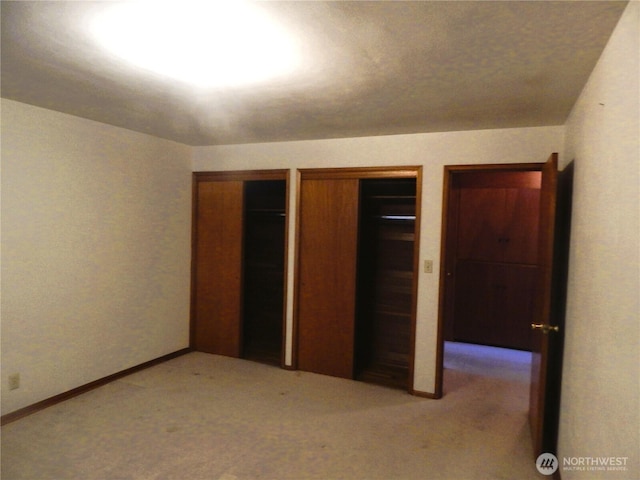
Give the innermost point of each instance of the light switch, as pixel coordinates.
(428, 266)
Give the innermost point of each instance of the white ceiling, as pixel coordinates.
(374, 68)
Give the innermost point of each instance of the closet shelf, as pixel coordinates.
(396, 218)
(267, 211)
(392, 197)
(398, 236)
(390, 287)
(392, 311)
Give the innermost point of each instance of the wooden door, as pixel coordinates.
(216, 322)
(327, 252)
(546, 364)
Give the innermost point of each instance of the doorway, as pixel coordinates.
(493, 246)
(490, 256)
(549, 279)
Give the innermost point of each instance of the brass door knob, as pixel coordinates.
(545, 328)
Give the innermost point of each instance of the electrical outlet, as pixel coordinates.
(428, 266)
(14, 381)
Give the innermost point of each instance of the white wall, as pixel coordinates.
(95, 250)
(432, 151)
(600, 392)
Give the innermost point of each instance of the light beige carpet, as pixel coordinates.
(202, 416)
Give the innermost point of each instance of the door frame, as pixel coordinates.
(243, 176)
(361, 173)
(450, 172)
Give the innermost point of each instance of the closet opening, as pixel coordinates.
(263, 270)
(385, 270)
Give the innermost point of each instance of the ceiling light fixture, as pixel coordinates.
(207, 44)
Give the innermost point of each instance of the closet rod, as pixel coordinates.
(396, 217)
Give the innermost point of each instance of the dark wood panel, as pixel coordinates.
(521, 218)
(498, 224)
(480, 224)
(499, 179)
(494, 304)
(218, 267)
(328, 225)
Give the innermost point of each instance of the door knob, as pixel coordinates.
(545, 328)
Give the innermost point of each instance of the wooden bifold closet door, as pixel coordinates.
(218, 265)
(328, 223)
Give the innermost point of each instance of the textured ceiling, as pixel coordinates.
(372, 68)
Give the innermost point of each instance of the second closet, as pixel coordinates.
(356, 273)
